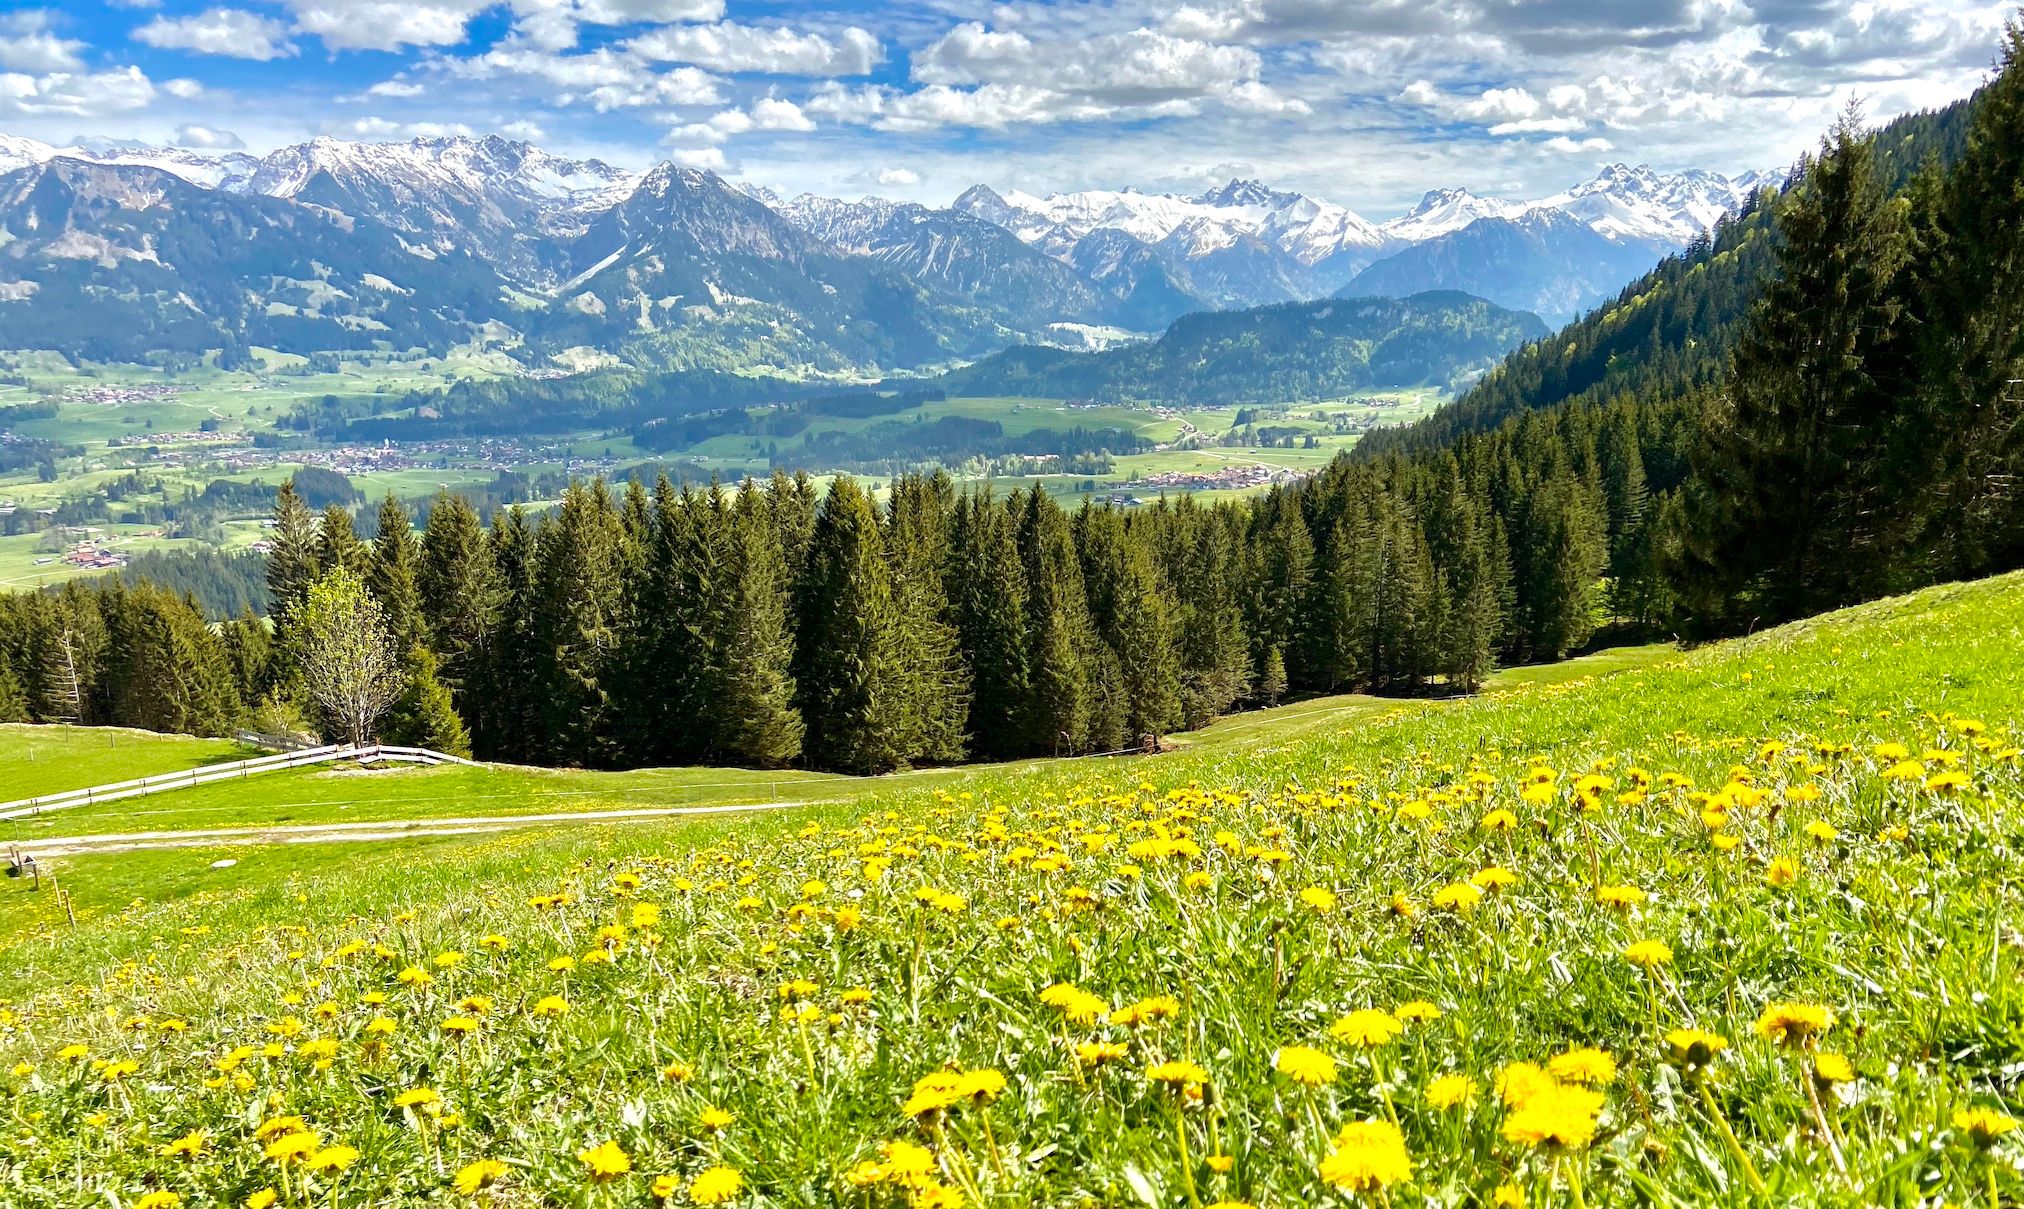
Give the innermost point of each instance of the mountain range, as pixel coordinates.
(125, 252)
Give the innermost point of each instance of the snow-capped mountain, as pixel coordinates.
(1543, 260)
(494, 197)
(1637, 203)
(1445, 211)
(209, 171)
(1256, 244)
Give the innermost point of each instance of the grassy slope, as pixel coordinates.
(1902, 933)
(315, 796)
(36, 760)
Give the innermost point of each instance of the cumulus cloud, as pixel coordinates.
(206, 138)
(220, 31)
(604, 79)
(28, 43)
(385, 24)
(732, 48)
(74, 94)
(903, 177)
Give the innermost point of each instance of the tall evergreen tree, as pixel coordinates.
(577, 606)
(1061, 653)
(391, 572)
(756, 722)
(934, 683)
(987, 587)
(1785, 513)
(459, 593)
(337, 544)
(292, 563)
(846, 677)
(510, 679)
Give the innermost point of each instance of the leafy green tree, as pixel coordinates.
(347, 656)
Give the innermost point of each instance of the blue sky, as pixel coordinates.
(1364, 102)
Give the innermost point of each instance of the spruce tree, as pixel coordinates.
(508, 680)
(458, 589)
(423, 715)
(13, 698)
(577, 598)
(391, 572)
(846, 679)
(1060, 644)
(337, 544)
(753, 716)
(292, 563)
(1786, 511)
(934, 682)
(987, 587)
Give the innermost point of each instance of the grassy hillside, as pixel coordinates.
(38, 760)
(1300, 963)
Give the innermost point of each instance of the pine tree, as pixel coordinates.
(423, 715)
(987, 588)
(249, 648)
(1785, 516)
(165, 670)
(845, 677)
(1060, 644)
(1215, 660)
(13, 698)
(458, 589)
(1281, 578)
(577, 604)
(1959, 454)
(337, 544)
(292, 563)
(755, 721)
(507, 681)
(391, 572)
(934, 683)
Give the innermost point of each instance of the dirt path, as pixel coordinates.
(355, 833)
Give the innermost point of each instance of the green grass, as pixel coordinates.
(315, 796)
(38, 760)
(1891, 907)
(1281, 911)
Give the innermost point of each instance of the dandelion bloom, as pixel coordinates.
(1452, 1091)
(934, 1093)
(189, 1146)
(1782, 872)
(417, 1097)
(1519, 1082)
(474, 1178)
(1306, 1066)
(716, 1186)
(1793, 1023)
(332, 1160)
(1496, 877)
(1321, 900)
(1508, 1196)
(1367, 1028)
(1620, 896)
(605, 1162)
(664, 1187)
(263, 1199)
(550, 1006)
(1555, 1115)
(158, 1200)
(1832, 1068)
(1498, 820)
(1416, 1011)
(1589, 1066)
(292, 1147)
(1648, 953)
(983, 1084)
(1694, 1048)
(1983, 1125)
(714, 1119)
(1459, 897)
(1369, 1156)
(1095, 1053)
(1177, 1074)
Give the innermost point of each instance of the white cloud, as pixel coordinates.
(605, 79)
(711, 158)
(904, 177)
(525, 131)
(1538, 126)
(625, 12)
(27, 43)
(772, 113)
(733, 48)
(850, 106)
(220, 31)
(206, 138)
(385, 24)
(1568, 146)
(78, 95)
(184, 89)
(396, 89)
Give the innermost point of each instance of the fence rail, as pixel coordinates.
(210, 773)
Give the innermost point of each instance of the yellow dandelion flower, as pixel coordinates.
(1648, 953)
(1368, 1156)
(1557, 1114)
(1832, 1068)
(1452, 1091)
(1588, 1065)
(1304, 1065)
(158, 1200)
(474, 1178)
(1984, 1126)
(332, 1160)
(1366, 1028)
(605, 1162)
(1096, 1053)
(716, 1186)
(1794, 1023)
(1176, 1074)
